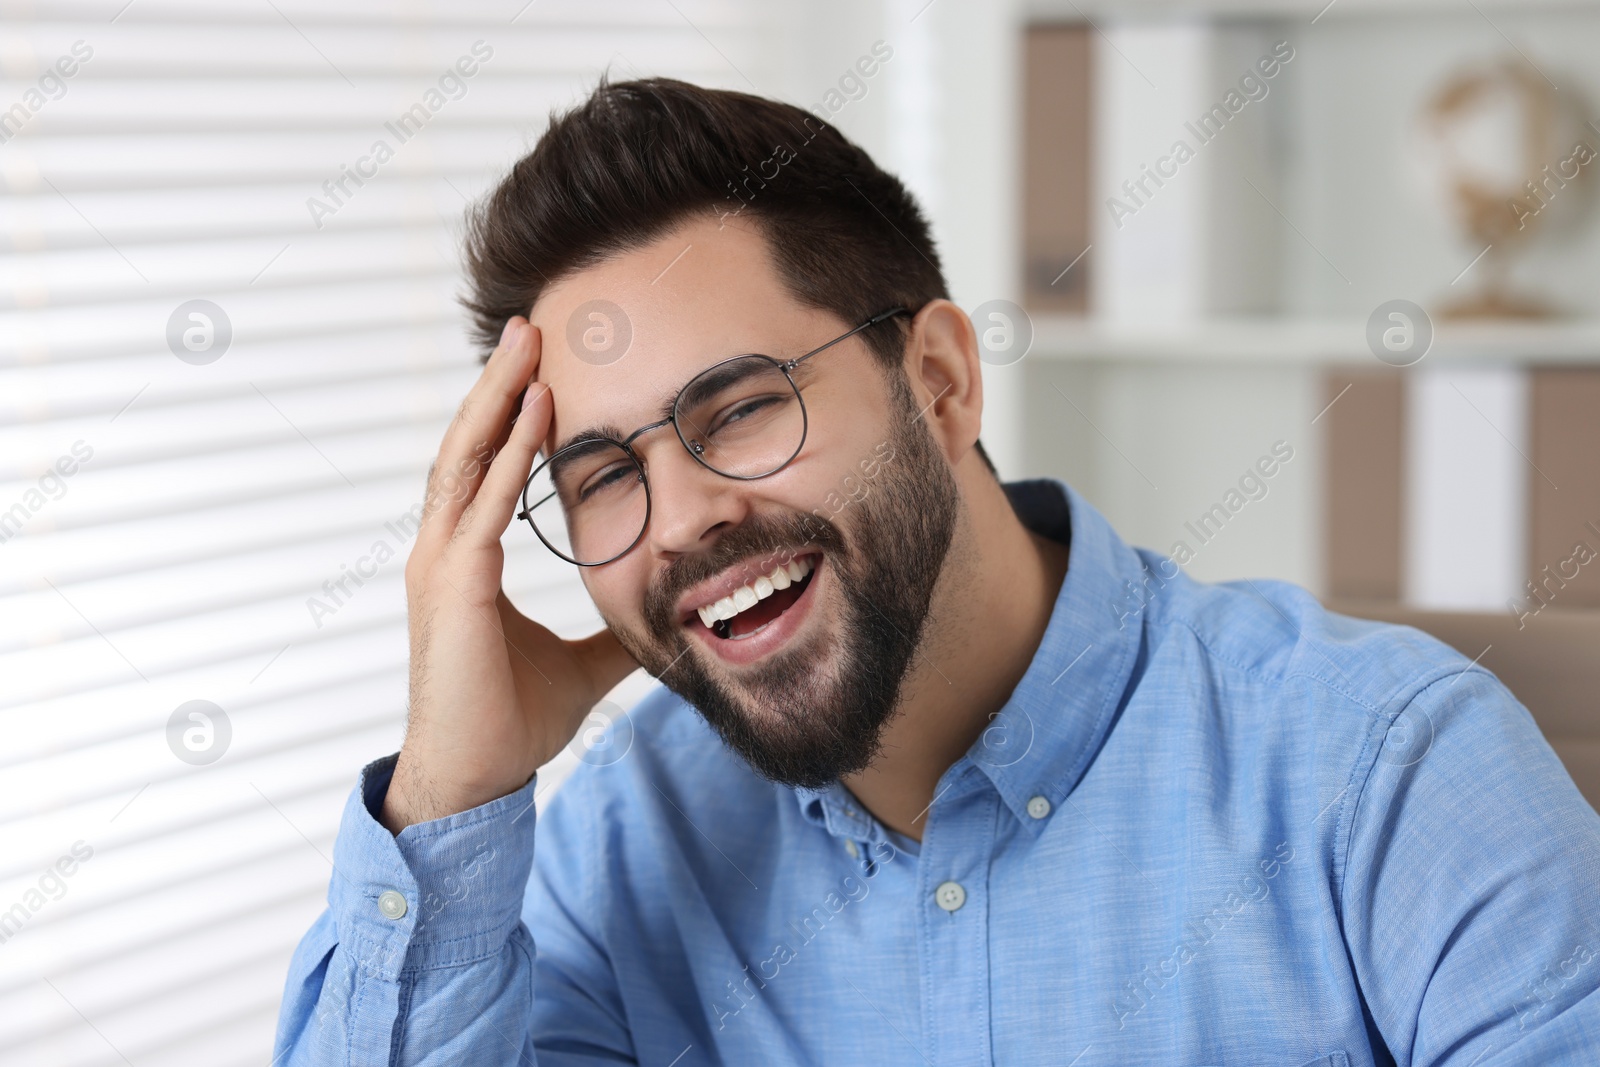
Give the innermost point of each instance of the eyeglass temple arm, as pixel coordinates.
(523, 514)
(879, 317)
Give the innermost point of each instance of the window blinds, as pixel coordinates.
(229, 345)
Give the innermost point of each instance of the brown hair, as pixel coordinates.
(639, 157)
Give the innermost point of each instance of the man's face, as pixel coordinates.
(841, 548)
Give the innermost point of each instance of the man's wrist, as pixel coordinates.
(414, 797)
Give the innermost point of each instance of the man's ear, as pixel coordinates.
(942, 365)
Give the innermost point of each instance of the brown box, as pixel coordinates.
(1365, 443)
(1055, 169)
(1565, 509)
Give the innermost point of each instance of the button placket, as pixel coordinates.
(957, 849)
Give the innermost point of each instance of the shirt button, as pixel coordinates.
(1038, 807)
(950, 896)
(391, 905)
(850, 847)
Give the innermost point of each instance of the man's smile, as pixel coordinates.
(746, 613)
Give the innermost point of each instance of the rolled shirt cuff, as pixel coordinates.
(443, 893)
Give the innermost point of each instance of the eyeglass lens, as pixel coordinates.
(742, 418)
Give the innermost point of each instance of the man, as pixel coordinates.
(918, 789)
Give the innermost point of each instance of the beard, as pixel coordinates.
(795, 719)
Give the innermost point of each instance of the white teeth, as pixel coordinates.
(747, 596)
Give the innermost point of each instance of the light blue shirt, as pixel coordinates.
(1214, 825)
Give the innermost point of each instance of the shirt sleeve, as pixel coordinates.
(1471, 891)
(422, 957)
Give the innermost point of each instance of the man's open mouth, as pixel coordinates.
(751, 608)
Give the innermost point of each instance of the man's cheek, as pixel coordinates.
(619, 598)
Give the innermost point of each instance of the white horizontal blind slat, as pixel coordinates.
(210, 508)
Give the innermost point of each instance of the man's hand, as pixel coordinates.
(494, 695)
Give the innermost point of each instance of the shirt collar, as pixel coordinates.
(1044, 737)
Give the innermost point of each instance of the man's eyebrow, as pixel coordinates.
(575, 452)
(602, 432)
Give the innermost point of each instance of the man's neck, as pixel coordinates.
(989, 613)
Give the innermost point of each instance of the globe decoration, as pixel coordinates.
(1508, 160)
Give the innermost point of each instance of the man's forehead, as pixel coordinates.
(657, 351)
(619, 339)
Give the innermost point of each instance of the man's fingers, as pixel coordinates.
(487, 517)
(478, 428)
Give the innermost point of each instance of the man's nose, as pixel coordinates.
(690, 505)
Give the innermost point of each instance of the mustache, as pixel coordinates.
(757, 537)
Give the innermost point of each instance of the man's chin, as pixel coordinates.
(791, 716)
(784, 692)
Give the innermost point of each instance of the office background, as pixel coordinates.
(229, 344)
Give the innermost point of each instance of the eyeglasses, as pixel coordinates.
(742, 418)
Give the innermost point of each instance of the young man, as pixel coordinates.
(916, 790)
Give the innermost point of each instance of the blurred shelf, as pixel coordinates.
(1278, 339)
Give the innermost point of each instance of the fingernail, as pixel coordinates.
(536, 390)
(505, 332)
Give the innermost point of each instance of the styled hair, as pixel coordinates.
(637, 158)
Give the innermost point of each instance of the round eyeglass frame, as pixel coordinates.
(695, 449)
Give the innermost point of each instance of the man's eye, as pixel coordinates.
(609, 479)
(745, 409)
